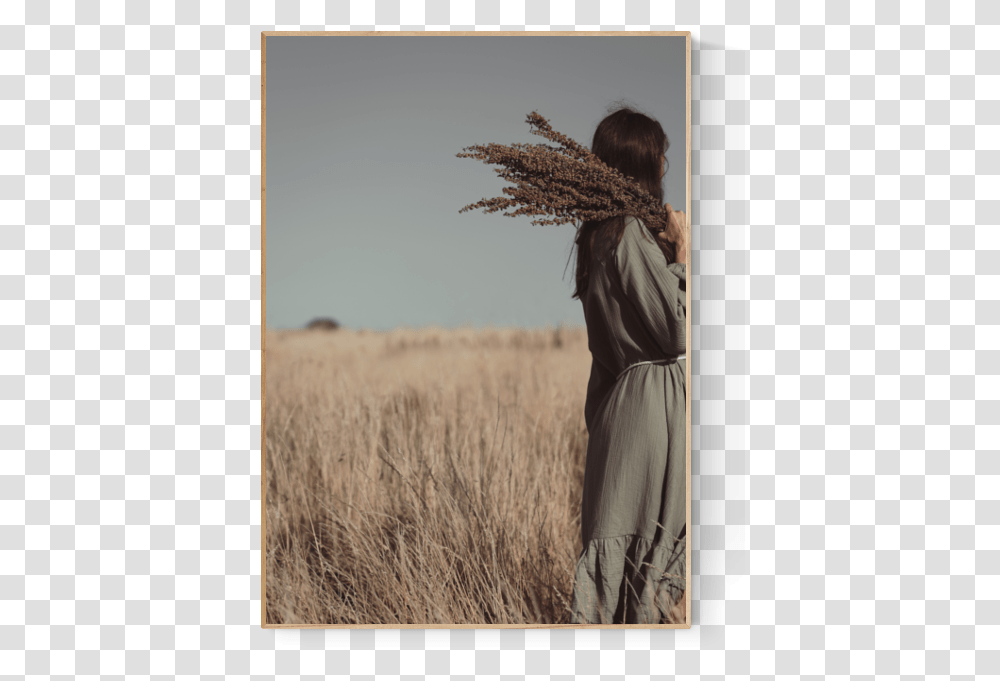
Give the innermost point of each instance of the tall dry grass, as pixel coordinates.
(424, 476)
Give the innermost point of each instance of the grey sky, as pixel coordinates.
(363, 187)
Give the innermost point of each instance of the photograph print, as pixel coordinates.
(475, 351)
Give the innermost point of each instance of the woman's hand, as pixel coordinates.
(684, 228)
(677, 234)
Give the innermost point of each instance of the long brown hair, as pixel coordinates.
(634, 144)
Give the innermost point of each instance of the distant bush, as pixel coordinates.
(324, 324)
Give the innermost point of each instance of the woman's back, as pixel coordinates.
(635, 307)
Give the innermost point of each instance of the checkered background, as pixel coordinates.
(846, 397)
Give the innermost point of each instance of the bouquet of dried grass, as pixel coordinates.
(568, 183)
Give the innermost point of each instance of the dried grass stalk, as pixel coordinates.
(566, 183)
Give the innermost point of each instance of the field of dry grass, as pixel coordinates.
(424, 476)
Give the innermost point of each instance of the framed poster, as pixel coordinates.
(471, 420)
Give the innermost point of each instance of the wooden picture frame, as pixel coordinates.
(485, 136)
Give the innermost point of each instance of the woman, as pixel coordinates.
(632, 566)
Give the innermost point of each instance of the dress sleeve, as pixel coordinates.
(658, 291)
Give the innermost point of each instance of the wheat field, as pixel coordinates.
(424, 476)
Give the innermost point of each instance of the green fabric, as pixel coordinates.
(633, 514)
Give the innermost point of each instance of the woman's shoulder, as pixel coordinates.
(635, 222)
(637, 245)
(635, 229)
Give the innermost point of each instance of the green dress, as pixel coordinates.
(634, 524)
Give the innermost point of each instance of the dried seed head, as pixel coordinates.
(567, 182)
